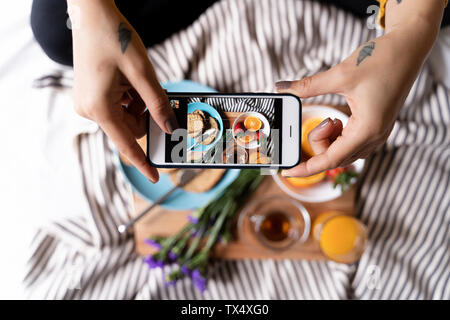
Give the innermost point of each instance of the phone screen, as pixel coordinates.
(226, 130)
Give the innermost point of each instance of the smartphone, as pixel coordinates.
(220, 130)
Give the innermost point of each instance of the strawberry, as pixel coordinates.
(238, 127)
(342, 177)
(332, 173)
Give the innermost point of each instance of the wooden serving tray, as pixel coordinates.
(165, 223)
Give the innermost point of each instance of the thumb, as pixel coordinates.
(315, 85)
(324, 134)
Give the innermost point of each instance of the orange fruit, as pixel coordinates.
(252, 123)
(305, 182)
(307, 127)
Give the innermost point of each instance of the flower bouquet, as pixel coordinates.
(190, 248)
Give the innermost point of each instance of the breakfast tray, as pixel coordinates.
(164, 222)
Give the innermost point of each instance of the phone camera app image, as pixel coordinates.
(219, 130)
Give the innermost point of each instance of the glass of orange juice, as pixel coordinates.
(341, 238)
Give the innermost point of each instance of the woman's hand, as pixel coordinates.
(375, 80)
(112, 71)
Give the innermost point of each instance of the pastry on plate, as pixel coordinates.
(195, 124)
(204, 181)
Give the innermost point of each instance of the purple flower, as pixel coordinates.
(152, 263)
(200, 285)
(170, 283)
(185, 270)
(172, 256)
(199, 280)
(160, 263)
(153, 243)
(192, 219)
(196, 274)
(195, 233)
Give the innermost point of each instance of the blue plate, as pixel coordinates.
(206, 108)
(180, 199)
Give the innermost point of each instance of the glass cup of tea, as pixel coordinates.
(341, 238)
(274, 224)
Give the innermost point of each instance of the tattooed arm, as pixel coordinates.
(375, 80)
(112, 70)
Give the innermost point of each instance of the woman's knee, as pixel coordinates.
(49, 25)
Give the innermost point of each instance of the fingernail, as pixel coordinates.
(283, 84)
(285, 173)
(323, 123)
(172, 124)
(335, 121)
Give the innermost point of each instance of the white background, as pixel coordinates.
(39, 179)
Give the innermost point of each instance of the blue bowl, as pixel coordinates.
(180, 199)
(212, 113)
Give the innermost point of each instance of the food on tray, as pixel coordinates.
(200, 112)
(246, 138)
(248, 130)
(304, 182)
(203, 182)
(252, 123)
(258, 158)
(238, 128)
(307, 127)
(342, 177)
(198, 122)
(142, 143)
(195, 124)
(212, 123)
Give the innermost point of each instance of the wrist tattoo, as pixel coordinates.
(399, 1)
(124, 36)
(365, 52)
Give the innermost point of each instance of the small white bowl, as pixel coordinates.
(322, 191)
(265, 129)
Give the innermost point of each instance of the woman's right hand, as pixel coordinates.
(112, 70)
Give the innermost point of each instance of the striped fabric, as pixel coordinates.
(262, 105)
(246, 45)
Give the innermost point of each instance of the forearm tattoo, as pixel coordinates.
(124, 36)
(365, 52)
